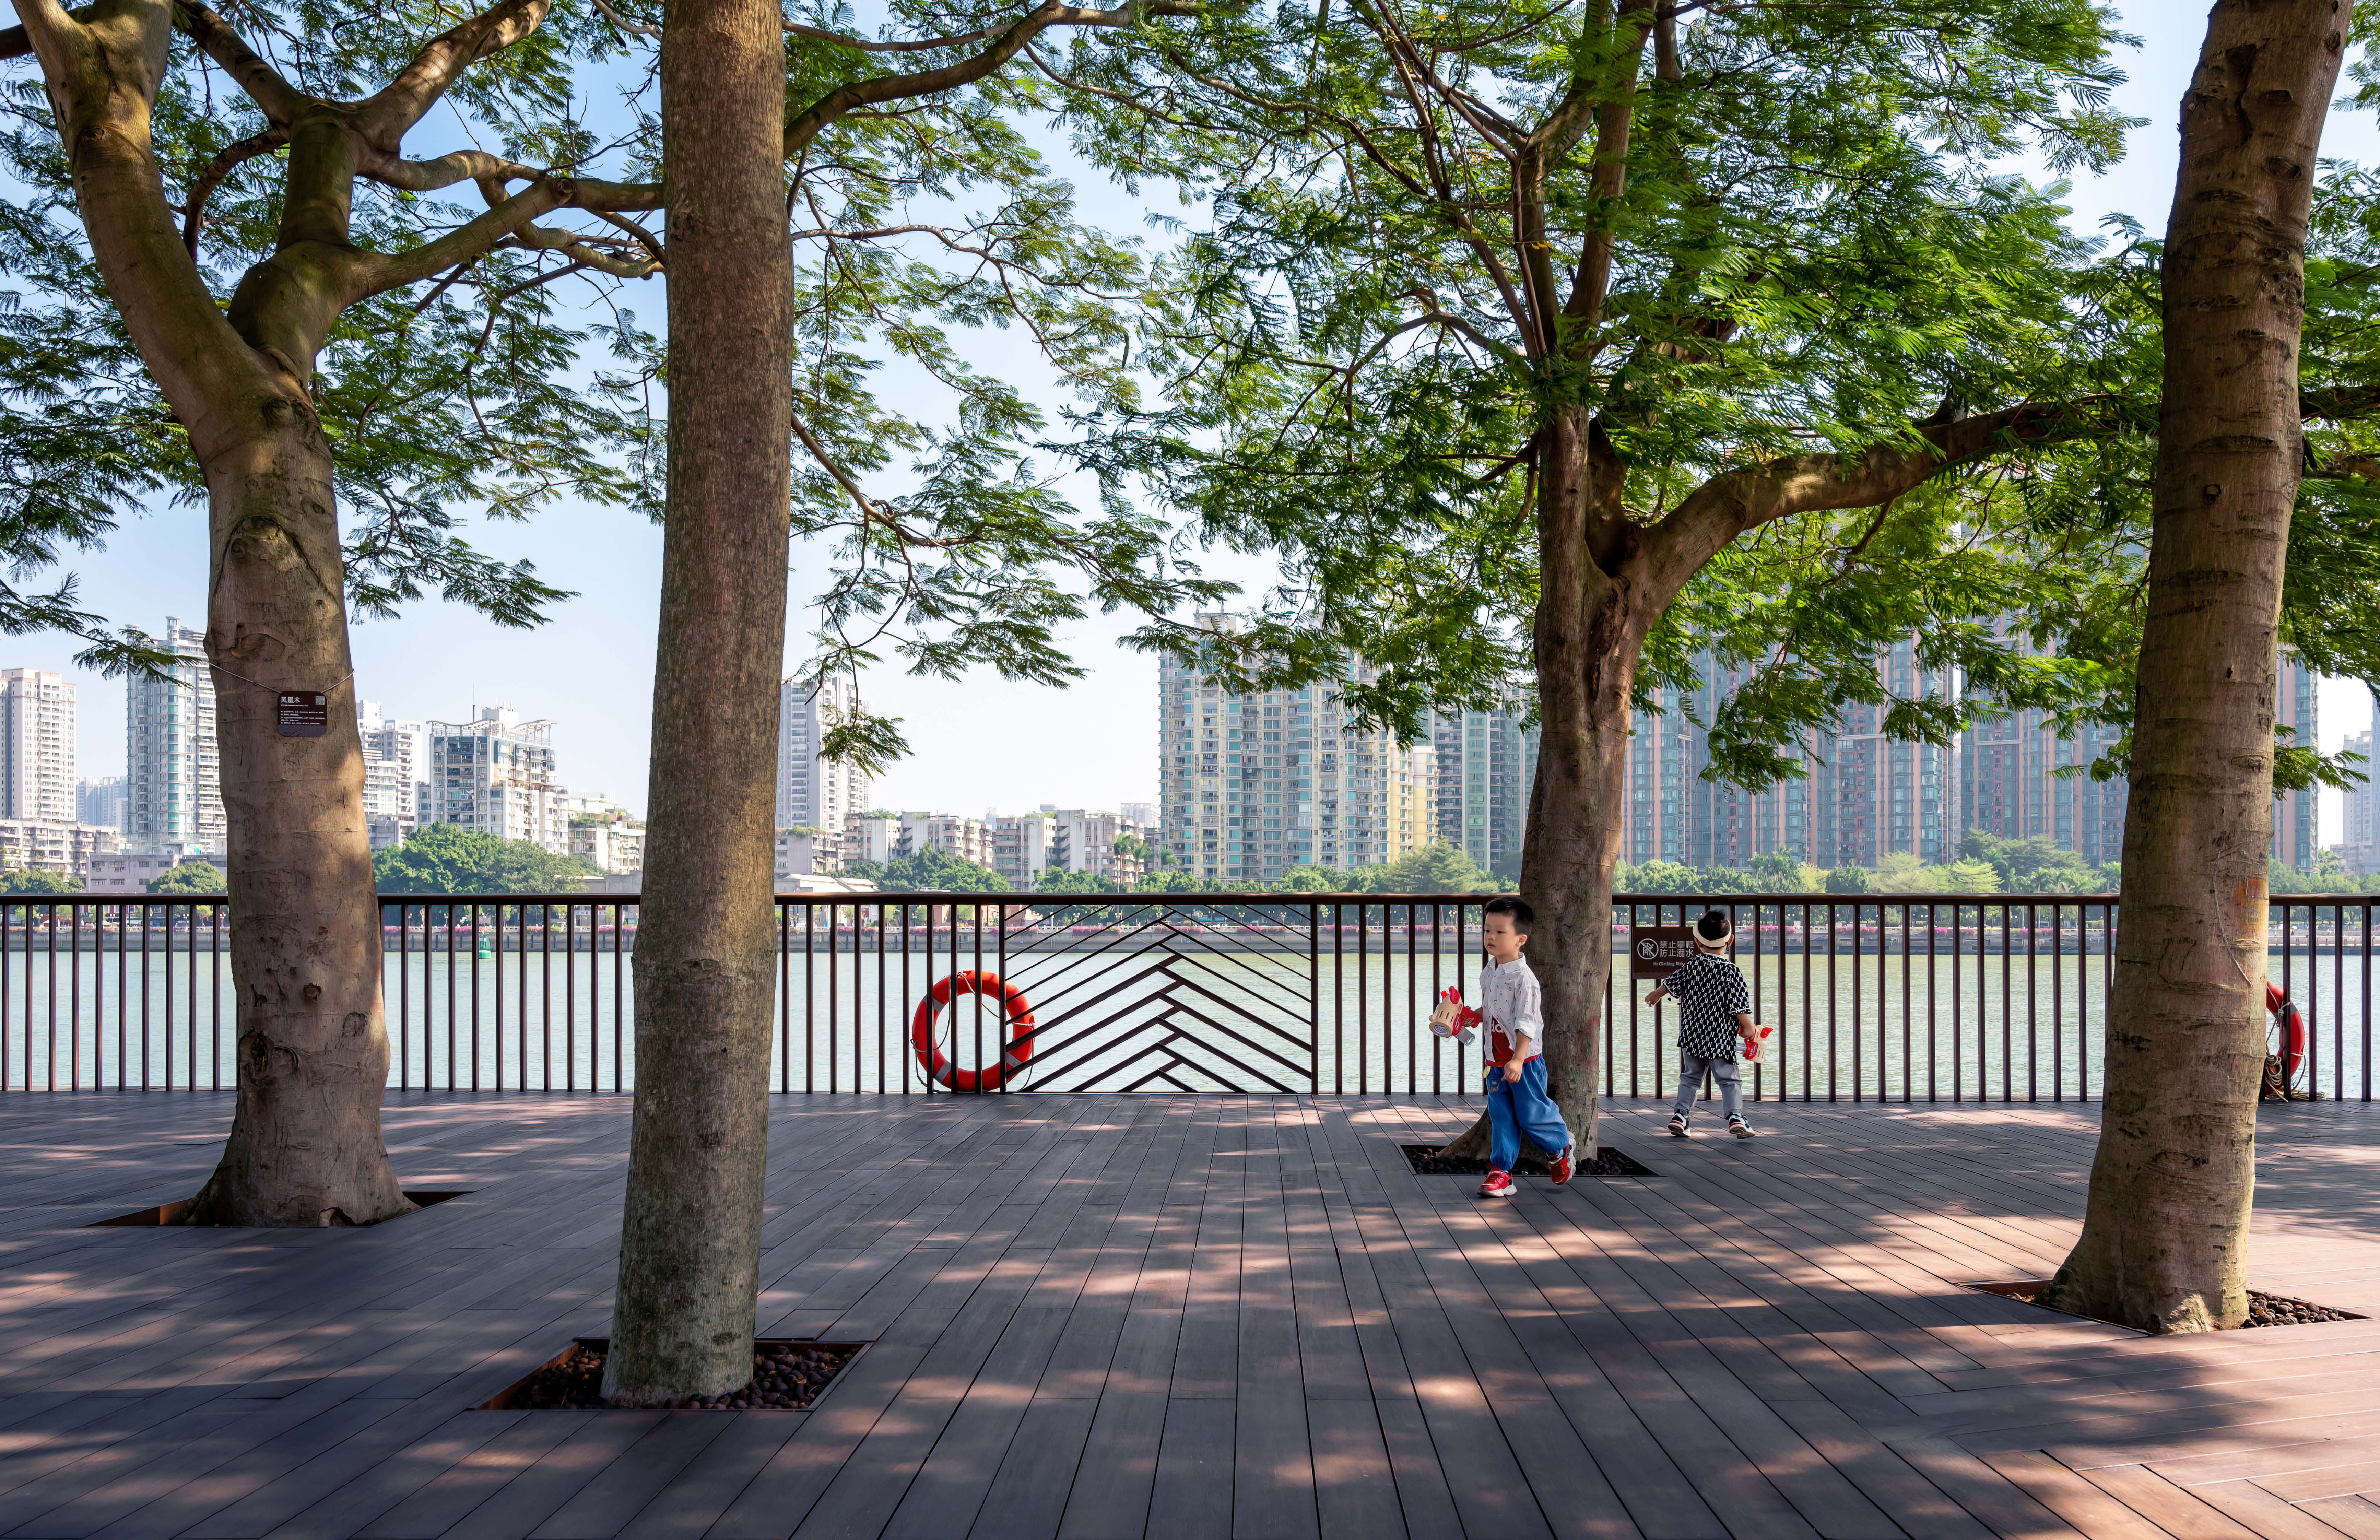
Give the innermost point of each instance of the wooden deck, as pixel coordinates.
(1097, 1316)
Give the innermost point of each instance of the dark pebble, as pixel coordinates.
(1607, 1161)
(785, 1375)
(2268, 1310)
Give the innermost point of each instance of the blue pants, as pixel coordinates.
(1518, 1106)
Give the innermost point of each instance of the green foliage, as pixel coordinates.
(927, 871)
(2329, 875)
(521, 377)
(1435, 869)
(33, 881)
(1055, 881)
(1849, 879)
(445, 858)
(2037, 865)
(191, 877)
(1371, 337)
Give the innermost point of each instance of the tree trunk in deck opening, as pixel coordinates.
(706, 949)
(2165, 1233)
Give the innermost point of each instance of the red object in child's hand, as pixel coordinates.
(1752, 1045)
(1451, 1014)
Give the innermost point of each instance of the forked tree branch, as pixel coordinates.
(376, 273)
(385, 115)
(228, 160)
(1735, 502)
(279, 101)
(807, 124)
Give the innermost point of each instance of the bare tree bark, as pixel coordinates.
(312, 1048)
(706, 948)
(2165, 1232)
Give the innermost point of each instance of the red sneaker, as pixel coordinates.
(1498, 1186)
(1561, 1167)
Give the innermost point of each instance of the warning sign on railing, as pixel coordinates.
(1655, 951)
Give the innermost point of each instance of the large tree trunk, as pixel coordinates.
(1589, 640)
(2165, 1233)
(306, 1146)
(313, 1048)
(706, 949)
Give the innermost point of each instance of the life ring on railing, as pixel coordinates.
(2290, 1032)
(1016, 1031)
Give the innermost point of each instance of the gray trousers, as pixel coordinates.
(1690, 1084)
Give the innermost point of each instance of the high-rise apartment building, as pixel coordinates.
(396, 771)
(37, 746)
(100, 803)
(1486, 762)
(1085, 840)
(1864, 795)
(1871, 795)
(814, 793)
(2297, 815)
(1141, 815)
(2014, 781)
(1255, 784)
(174, 773)
(496, 774)
(2359, 826)
(1020, 848)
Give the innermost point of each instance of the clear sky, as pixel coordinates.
(981, 742)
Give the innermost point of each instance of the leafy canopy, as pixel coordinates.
(38, 881)
(496, 365)
(927, 870)
(191, 877)
(1737, 306)
(446, 858)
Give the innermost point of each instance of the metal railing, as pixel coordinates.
(1920, 997)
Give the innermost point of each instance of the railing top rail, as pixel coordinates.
(1034, 900)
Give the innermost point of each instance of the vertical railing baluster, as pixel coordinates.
(2031, 995)
(570, 997)
(1338, 999)
(2008, 1012)
(1363, 999)
(50, 977)
(1436, 974)
(148, 1049)
(2056, 1000)
(123, 1013)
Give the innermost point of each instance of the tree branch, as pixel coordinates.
(279, 101)
(1734, 502)
(383, 117)
(229, 158)
(806, 124)
(376, 273)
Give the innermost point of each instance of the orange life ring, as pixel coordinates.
(2292, 1024)
(1016, 1031)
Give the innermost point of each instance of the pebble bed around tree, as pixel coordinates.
(786, 1376)
(2263, 1309)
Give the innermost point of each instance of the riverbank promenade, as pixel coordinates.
(1106, 1316)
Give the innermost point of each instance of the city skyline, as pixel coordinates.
(1714, 843)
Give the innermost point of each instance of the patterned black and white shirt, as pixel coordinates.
(1709, 992)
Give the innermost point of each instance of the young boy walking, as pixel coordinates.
(1512, 1007)
(1714, 1015)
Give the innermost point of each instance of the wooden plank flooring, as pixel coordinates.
(1091, 1318)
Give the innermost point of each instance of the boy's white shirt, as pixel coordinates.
(1470, 1035)
(1524, 1043)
